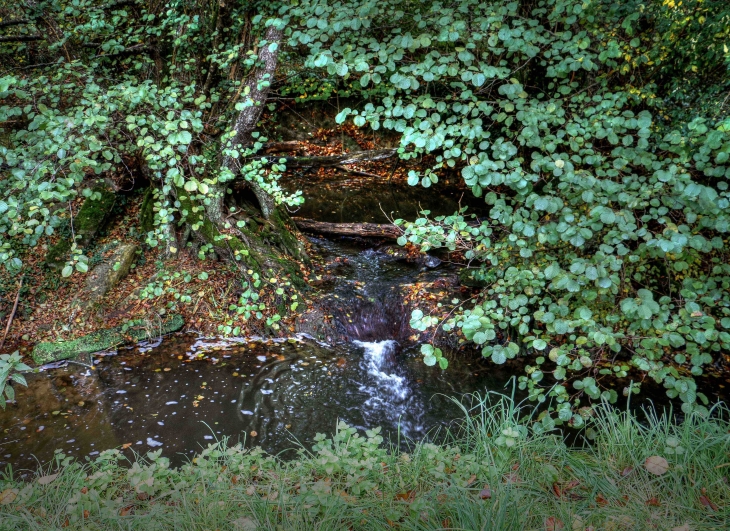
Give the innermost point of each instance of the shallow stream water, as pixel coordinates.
(188, 392)
(185, 392)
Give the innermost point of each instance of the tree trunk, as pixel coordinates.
(256, 89)
(267, 235)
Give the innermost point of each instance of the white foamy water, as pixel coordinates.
(376, 363)
(390, 396)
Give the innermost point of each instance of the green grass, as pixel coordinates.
(492, 473)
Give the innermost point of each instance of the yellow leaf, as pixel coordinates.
(8, 496)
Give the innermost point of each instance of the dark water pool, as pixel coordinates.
(187, 392)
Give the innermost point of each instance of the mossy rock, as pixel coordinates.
(103, 340)
(107, 275)
(88, 222)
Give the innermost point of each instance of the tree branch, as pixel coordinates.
(333, 161)
(10, 23)
(22, 38)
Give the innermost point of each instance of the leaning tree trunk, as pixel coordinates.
(268, 235)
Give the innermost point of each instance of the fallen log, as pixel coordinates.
(332, 161)
(364, 230)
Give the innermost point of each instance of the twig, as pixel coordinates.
(358, 172)
(12, 314)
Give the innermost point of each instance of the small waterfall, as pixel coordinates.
(390, 396)
(379, 362)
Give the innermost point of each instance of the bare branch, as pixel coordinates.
(22, 38)
(10, 23)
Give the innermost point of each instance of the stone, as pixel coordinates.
(90, 219)
(105, 276)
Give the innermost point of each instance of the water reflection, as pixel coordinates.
(189, 391)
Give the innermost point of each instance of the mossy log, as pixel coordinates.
(103, 340)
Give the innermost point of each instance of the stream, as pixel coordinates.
(184, 392)
(181, 393)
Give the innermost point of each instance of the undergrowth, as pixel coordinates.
(492, 473)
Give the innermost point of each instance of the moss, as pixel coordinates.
(93, 214)
(146, 211)
(57, 255)
(103, 340)
(285, 236)
(88, 222)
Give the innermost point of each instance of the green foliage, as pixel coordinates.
(595, 131)
(604, 245)
(10, 365)
(106, 101)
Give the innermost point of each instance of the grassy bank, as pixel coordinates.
(492, 475)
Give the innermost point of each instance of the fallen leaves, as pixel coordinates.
(46, 480)
(8, 496)
(653, 502)
(553, 524)
(656, 465)
(485, 493)
(601, 500)
(563, 490)
(707, 502)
